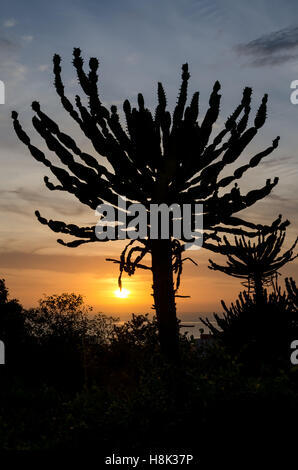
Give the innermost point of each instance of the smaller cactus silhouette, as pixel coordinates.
(257, 262)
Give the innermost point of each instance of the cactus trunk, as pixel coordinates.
(164, 297)
(258, 287)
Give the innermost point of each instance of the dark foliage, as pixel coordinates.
(12, 326)
(258, 331)
(131, 401)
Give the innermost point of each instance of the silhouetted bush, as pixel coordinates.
(63, 329)
(259, 331)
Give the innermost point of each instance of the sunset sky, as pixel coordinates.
(138, 43)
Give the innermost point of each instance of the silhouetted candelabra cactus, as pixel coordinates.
(257, 262)
(157, 159)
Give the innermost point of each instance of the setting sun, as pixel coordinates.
(122, 294)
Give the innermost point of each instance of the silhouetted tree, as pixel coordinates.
(63, 331)
(59, 316)
(12, 325)
(157, 159)
(257, 262)
(66, 317)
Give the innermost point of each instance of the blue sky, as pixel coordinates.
(138, 44)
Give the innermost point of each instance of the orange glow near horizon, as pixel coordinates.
(30, 276)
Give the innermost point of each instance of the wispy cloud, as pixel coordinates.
(58, 263)
(275, 48)
(43, 67)
(132, 59)
(9, 23)
(6, 44)
(32, 198)
(15, 70)
(27, 38)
